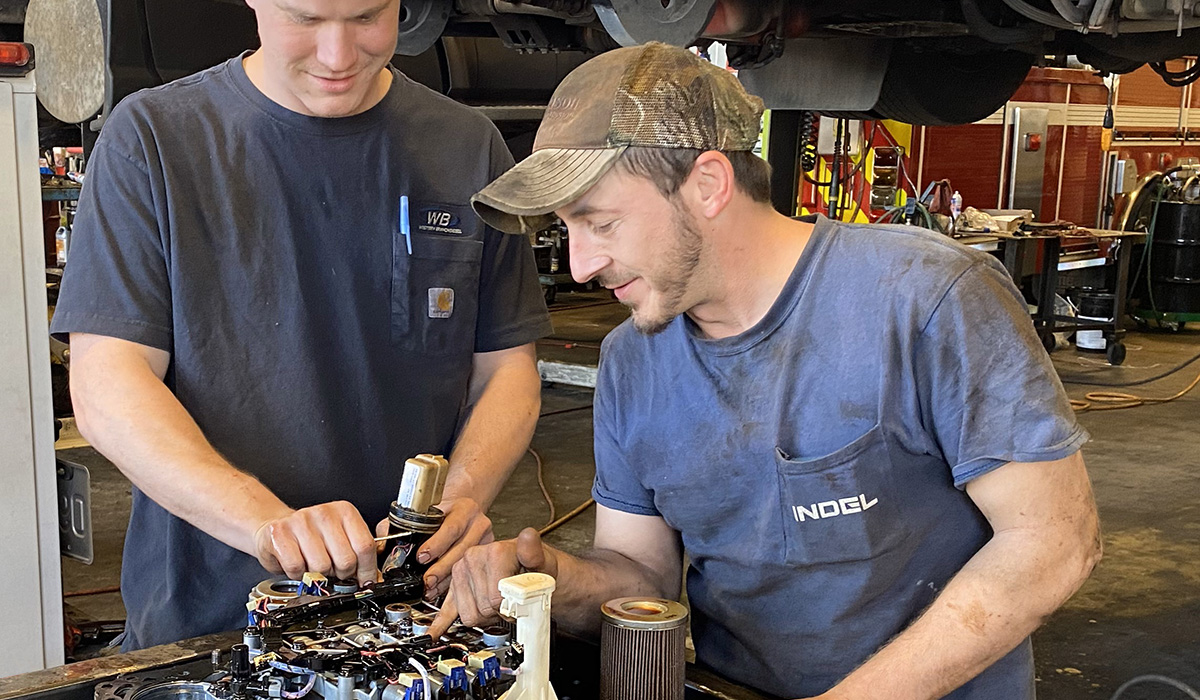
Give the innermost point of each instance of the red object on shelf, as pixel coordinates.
(14, 53)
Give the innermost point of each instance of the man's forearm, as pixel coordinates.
(587, 581)
(496, 434)
(997, 600)
(130, 417)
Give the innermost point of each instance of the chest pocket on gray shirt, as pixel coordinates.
(841, 507)
(435, 293)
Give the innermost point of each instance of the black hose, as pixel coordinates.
(1178, 368)
(980, 25)
(1173, 79)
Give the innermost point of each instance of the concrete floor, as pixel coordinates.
(1138, 614)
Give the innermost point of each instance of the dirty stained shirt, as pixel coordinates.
(814, 465)
(316, 342)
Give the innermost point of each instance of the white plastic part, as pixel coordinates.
(527, 598)
(422, 483)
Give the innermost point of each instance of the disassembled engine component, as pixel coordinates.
(642, 649)
(360, 646)
(414, 515)
(527, 599)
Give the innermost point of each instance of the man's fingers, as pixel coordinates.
(381, 528)
(363, 546)
(286, 550)
(530, 552)
(341, 552)
(437, 575)
(464, 598)
(312, 546)
(269, 562)
(500, 563)
(445, 617)
(450, 531)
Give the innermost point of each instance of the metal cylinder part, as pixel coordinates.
(420, 624)
(343, 586)
(252, 638)
(642, 649)
(496, 636)
(345, 686)
(395, 612)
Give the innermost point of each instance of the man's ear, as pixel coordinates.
(712, 184)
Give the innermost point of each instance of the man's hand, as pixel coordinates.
(331, 538)
(475, 584)
(465, 526)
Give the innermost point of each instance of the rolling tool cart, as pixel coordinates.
(1112, 247)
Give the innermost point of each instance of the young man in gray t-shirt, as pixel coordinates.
(851, 431)
(259, 338)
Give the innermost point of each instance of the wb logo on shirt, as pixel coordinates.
(438, 220)
(832, 509)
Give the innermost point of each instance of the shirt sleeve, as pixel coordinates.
(512, 309)
(618, 485)
(116, 282)
(988, 390)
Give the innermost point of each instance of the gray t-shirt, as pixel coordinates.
(814, 464)
(261, 248)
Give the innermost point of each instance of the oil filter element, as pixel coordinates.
(642, 649)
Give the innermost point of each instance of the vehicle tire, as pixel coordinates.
(936, 87)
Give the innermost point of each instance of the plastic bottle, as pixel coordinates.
(61, 241)
(955, 205)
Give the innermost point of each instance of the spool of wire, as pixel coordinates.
(642, 649)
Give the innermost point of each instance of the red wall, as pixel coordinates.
(970, 156)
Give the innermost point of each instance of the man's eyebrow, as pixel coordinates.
(583, 210)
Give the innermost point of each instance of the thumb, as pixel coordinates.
(531, 555)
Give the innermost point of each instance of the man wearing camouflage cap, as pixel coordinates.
(852, 431)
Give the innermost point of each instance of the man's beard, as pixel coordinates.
(678, 266)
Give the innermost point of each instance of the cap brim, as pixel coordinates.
(522, 199)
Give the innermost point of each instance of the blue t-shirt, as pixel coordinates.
(261, 248)
(814, 464)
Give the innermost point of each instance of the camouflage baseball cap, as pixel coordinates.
(651, 95)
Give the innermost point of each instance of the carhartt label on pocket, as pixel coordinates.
(441, 302)
(832, 509)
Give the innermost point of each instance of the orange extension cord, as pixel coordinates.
(1114, 400)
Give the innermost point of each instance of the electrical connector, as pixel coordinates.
(416, 691)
